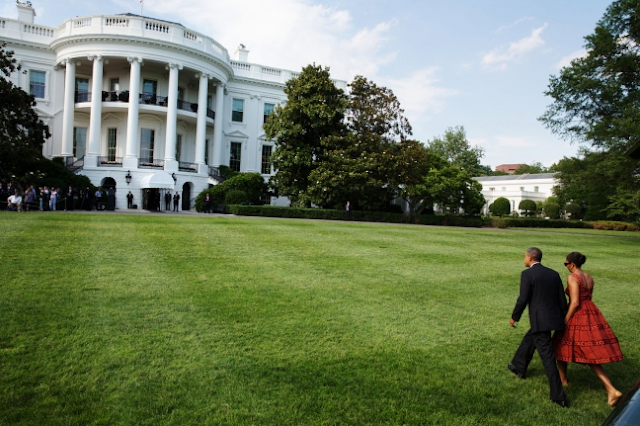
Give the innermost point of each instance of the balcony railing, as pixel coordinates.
(150, 163)
(214, 172)
(187, 167)
(108, 161)
(82, 97)
(74, 165)
(144, 99)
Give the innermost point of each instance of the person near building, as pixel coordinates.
(542, 291)
(98, 196)
(129, 200)
(347, 211)
(69, 199)
(207, 203)
(176, 201)
(14, 202)
(167, 200)
(587, 337)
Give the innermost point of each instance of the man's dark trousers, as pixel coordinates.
(542, 342)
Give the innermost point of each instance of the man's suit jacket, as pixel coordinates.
(541, 288)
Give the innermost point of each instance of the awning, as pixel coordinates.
(160, 180)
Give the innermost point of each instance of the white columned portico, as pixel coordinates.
(218, 152)
(130, 160)
(95, 121)
(170, 163)
(68, 107)
(201, 127)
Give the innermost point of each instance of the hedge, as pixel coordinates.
(559, 223)
(535, 223)
(356, 215)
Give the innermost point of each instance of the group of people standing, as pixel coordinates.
(581, 333)
(152, 200)
(43, 198)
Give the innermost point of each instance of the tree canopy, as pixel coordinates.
(309, 122)
(454, 146)
(22, 133)
(596, 98)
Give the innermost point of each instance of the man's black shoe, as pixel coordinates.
(515, 371)
(561, 403)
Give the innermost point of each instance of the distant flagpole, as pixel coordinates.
(140, 7)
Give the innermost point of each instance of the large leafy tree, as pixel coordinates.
(357, 166)
(455, 147)
(596, 100)
(22, 133)
(304, 129)
(597, 97)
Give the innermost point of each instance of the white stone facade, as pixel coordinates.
(515, 188)
(195, 108)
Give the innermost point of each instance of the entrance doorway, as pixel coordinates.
(186, 196)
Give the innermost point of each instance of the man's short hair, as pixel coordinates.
(534, 253)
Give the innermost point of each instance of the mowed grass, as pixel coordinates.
(110, 319)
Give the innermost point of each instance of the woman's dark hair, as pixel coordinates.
(577, 258)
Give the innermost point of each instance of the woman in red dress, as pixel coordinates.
(587, 339)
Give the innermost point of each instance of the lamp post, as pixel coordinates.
(175, 178)
(128, 177)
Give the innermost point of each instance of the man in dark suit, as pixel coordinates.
(541, 289)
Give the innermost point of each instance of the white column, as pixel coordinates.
(201, 127)
(170, 163)
(130, 160)
(95, 121)
(218, 152)
(68, 108)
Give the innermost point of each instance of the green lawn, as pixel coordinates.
(111, 319)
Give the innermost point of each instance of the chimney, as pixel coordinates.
(26, 12)
(242, 54)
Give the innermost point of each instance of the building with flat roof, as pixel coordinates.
(145, 105)
(515, 188)
(508, 168)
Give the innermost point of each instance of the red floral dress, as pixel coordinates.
(587, 338)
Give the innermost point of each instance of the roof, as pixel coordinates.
(148, 17)
(516, 177)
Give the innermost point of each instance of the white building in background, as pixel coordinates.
(131, 98)
(515, 188)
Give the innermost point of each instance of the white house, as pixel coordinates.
(515, 188)
(137, 103)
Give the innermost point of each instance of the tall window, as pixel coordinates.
(112, 136)
(82, 90)
(206, 152)
(266, 159)
(268, 110)
(178, 147)
(79, 141)
(235, 156)
(238, 110)
(114, 84)
(149, 87)
(180, 93)
(147, 139)
(36, 83)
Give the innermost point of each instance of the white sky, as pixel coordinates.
(480, 64)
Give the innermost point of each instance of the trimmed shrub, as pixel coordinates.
(537, 223)
(552, 210)
(500, 207)
(356, 215)
(575, 211)
(529, 206)
(615, 226)
(236, 196)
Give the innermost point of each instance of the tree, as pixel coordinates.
(455, 148)
(596, 98)
(500, 207)
(530, 169)
(604, 182)
(245, 188)
(304, 130)
(551, 207)
(453, 188)
(357, 165)
(529, 206)
(22, 133)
